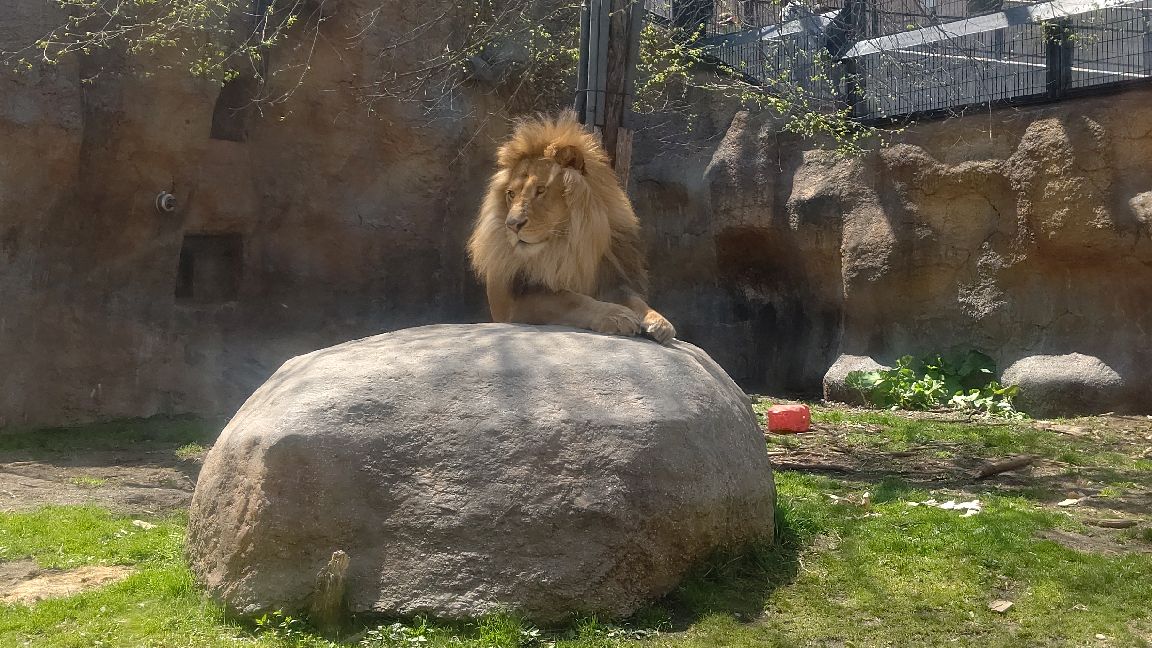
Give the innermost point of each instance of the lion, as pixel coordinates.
(556, 240)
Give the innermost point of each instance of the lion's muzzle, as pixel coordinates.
(516, 222)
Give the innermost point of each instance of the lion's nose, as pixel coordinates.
(516, 223)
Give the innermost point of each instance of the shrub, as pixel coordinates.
(957, 382)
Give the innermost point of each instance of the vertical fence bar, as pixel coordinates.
(595, 82)
(581, 105)
(1147, 15)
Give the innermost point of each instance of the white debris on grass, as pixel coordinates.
(1000, 606)
(970, 508)
(862, 500)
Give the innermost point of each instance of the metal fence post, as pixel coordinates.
(1147, 41)
(1058, 56)
(581, 104)
(849, 27)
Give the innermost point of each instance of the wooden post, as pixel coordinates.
(1058, 59)
(609, 52)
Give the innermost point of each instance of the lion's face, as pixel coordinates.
(537, 211)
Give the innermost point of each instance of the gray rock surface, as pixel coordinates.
(467, 469)
(1060, 385)
(835, 379)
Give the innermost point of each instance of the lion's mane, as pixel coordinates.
(602, 234)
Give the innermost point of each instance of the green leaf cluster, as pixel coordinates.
(963, 381)
(674, 70)
(213, 39)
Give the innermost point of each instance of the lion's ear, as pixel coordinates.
(566, 156)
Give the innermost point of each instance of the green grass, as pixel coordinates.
(87, 481)
(116, 435)
(885, 574)
(189, 451)
(70, 536)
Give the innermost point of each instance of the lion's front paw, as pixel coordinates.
(617, 320)
(658, 328)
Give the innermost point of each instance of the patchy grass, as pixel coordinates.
(1097, 445)
(1103, 457)
(161, 432)
(190, 451)
(88, 481)
(845, 571)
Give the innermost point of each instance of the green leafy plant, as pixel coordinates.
(189, 451)
(397, 634)
(959, 382)
(674, 70)
(210, 37)
(283, 626)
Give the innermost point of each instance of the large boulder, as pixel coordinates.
(1064, 385)
(468, 469)
(836, 378)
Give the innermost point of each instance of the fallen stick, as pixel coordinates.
(995, 468)
(810, 467)
(1113, 523)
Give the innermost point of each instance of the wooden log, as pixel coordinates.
(623, 156)
(995, 468)
(1113, 523)
(327, 609)
(618, 47)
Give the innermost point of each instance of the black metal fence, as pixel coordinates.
(890, 58)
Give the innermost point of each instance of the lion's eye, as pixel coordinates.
(509, 194)
(540, 190)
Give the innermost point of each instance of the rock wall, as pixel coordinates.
(329, 221)
(1021, 233)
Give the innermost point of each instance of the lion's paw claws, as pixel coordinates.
(659, 329)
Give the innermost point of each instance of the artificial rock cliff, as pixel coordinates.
(1021, 233)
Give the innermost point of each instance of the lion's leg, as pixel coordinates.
(653, 324)
(567, 308)
(499, 303)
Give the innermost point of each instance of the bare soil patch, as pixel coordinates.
(22, 582)
(127, 481)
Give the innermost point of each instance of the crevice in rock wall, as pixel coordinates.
(233, 109)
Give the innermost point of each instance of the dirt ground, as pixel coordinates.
(944, 464)
(21, 581)
(1112, 515)
(130, 481)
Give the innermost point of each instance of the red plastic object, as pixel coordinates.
(788, 419)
